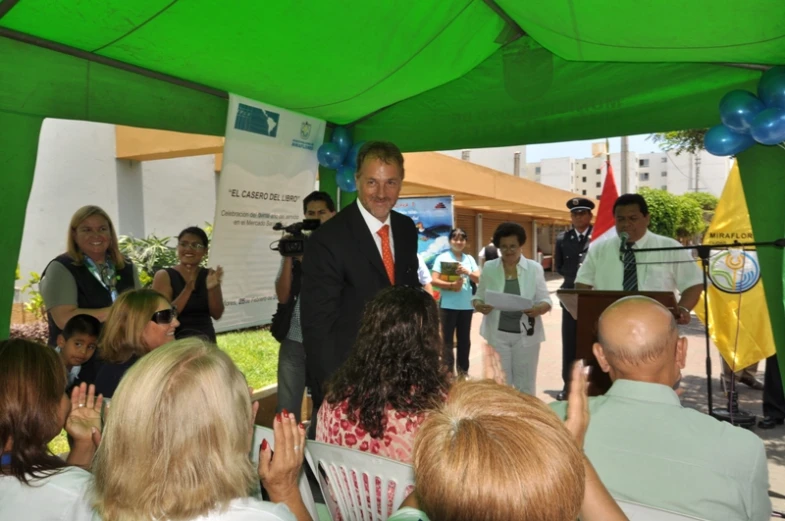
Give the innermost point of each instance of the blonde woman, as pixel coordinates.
(176, 444)
(516, 458)
(140, 320)
(87, 278)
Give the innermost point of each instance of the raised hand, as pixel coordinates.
(215, 277)
(578, 403)
(280, 472)
(85, 414)
(492, 365)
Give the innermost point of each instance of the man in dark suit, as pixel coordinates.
(568, 254)
(348, 260)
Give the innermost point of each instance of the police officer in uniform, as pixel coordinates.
(571, 246)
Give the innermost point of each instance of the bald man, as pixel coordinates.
(649, 449)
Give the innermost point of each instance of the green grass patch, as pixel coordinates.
(254, 351)
(256, 354)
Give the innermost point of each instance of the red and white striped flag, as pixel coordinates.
(605, 225)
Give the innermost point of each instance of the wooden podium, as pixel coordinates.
(586, 306)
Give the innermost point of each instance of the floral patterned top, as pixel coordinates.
(335, 427)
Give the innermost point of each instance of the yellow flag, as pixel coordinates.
(739, 321)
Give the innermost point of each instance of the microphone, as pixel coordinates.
(624, 236)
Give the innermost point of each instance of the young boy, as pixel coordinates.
(77, 344)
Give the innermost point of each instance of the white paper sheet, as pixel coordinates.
(507, 302)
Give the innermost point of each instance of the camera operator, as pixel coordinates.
(291, 356)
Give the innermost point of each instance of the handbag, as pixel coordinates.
(282, 319)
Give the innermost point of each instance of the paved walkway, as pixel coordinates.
(549, 383)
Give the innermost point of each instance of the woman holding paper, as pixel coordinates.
(452, 272)
(515, 334)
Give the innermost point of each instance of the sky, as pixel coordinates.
(580, 149)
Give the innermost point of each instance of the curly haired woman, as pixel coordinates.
(377, 400)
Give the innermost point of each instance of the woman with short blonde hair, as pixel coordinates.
(176, 444)
(496, 434)
(491, 453)
(139, 321)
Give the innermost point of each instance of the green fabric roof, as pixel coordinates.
(427, 74)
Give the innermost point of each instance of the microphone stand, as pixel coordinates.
(731, 413)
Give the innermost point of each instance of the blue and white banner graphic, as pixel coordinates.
(433, 217)
(269, 166)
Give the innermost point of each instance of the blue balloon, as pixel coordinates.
(768, 128)
(738, 108)
(343, 138)
(345, 179)
(722, 141)
(771, 88)
(351, 157)
(329, 155)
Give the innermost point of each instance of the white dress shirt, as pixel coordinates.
(603, 268)
(61, 496)
(374, 225)
(531, 280)
(423, 273)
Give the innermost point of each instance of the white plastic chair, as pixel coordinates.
(638, 512)
(264, 433)
(349, 480)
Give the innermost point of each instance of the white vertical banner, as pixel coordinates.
(269, 166)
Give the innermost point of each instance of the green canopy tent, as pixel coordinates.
(428, 75)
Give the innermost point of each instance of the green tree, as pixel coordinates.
(678, 141)
(708, 204)
(673, 216)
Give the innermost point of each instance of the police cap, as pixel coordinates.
(580, 203)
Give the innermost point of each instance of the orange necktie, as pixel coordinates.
(387, 256)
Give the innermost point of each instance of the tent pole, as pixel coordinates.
(19, 142)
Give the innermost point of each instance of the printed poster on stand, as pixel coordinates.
(269, 166)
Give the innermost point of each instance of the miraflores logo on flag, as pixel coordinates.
(739, 321)
(605, 224)
(734, 271)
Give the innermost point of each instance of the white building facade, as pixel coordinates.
(677, 174)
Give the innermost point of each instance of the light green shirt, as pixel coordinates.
(408, 514)
(649, 449)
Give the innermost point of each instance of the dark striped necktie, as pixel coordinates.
(630, 281)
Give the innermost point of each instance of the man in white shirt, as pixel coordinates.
(612, 265)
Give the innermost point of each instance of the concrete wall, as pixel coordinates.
(76, 166)
(497, 158)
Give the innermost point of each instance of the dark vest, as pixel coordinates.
(91, 294)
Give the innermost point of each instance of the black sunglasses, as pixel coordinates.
(530, 329)
(165, 316)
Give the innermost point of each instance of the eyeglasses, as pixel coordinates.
(530, 329)
(198, 246)
(165, 316)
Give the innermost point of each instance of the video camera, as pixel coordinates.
(294, 245)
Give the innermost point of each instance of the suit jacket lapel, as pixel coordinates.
(362, 235)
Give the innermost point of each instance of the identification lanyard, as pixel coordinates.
(105, 274)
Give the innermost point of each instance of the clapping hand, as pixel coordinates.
(84, 420)
(578, 403)
(279, 472)
(492, 365)
(215, 277)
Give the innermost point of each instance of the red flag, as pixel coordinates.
(605, 225)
